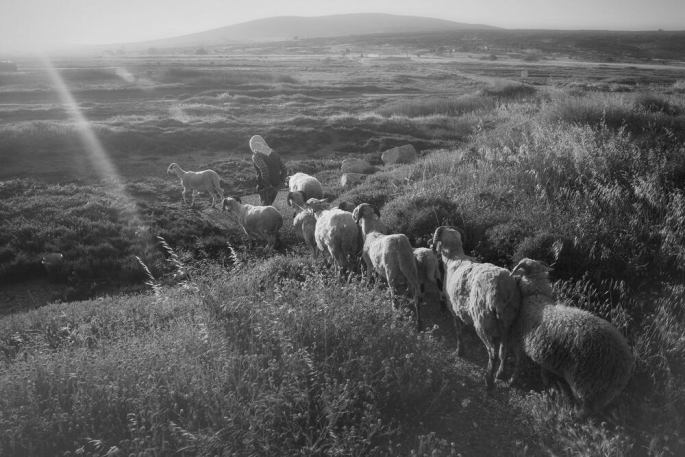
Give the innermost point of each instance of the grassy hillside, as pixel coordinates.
(229, 351)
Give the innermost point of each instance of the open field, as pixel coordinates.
(213, 349)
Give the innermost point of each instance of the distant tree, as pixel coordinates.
(201, 52)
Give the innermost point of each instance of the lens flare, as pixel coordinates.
(95, 152)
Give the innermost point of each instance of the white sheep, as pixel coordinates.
(260, 221)
(391, 256)
(303, 187)
(428, 267)
(336, 233)
(198, 181)
(589, 353)
(480, 294)
(304, 224)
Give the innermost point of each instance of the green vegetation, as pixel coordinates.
(234, 352)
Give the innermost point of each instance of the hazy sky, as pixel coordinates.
(36, 23)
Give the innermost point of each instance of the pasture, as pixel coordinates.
(195, 345)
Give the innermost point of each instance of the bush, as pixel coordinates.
(419, 216)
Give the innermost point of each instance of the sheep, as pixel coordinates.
(429, 272)
(337, 233)
(390, 255)
(346, 206)
(479, 294)
(304, 224)
(302, 188)
(198, 181)
(260, 221)
(589, 353)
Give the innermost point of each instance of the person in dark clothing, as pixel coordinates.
(271, 171)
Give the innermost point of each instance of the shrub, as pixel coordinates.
(419, 216)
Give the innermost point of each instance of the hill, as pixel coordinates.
(289, 27)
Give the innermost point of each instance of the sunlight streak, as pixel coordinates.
(95, 152)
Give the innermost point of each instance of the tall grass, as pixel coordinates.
(307, 365)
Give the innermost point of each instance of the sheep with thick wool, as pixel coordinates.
(428, 267)
(336, 232)
(198, 181)
(304, 224)
(259, 221)
(302, 187)
(391, 256)
(589, 353)
(480, 294)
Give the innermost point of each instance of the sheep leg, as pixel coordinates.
(443, 301)
(503, 352)
(491, 347)
(183, 194)
(518, 362)
(458, 324)
(417, 310)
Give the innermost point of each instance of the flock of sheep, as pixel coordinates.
(508, 309)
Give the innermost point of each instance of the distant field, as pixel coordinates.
(189, 342)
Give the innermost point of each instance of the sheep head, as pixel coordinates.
(448, 241)
(346, 206)
(172, 168)
(529, 267)
(363, 211)
(317, 205)
(297, 198)
(232, 203)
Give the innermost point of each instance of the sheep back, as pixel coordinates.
(481, 294)
(589, 353)
(261, 219)
(337, 232)
(391, 254)
(309, 185)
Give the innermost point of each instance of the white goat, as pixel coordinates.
(391, 256)
(260, 221)
(198, 181)
(428, 267)
(480, 294)
(304, 224)
(302, 188)
(589, 353)
(337, 233)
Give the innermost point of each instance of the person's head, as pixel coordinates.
(257, 144)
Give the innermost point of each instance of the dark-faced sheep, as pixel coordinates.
(589, 353)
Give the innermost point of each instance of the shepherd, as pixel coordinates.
(271, 171)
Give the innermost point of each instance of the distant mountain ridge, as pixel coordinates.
(289, 27)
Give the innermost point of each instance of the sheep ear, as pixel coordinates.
(521, 266)
(436, 237)
(236, 198)
(355, 214)
(546, 267)
(289, 199)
